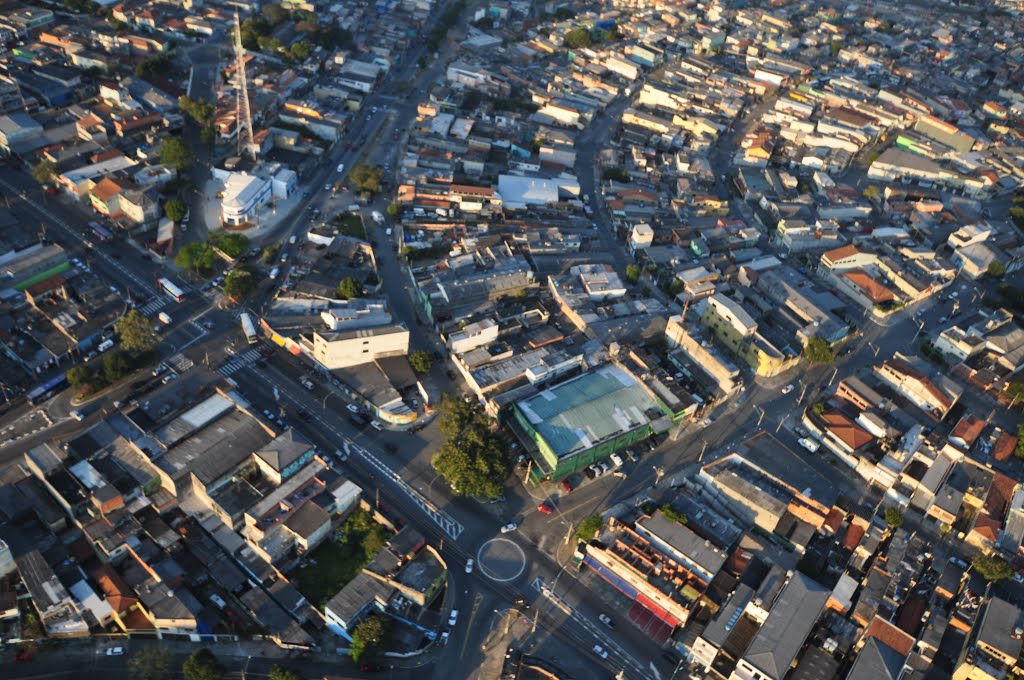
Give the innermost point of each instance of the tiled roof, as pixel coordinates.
(106, 189)
(968, 429)
(846, 430)
(1005, 446)
(837, 254)
(875, 291)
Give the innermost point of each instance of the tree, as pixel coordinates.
(274, 14)
(175, 210)
(116, 366)
(992, 568)
(893, 516)
(818, 407)
(44, 171)
(674, 515)
(818, 351)
(588, 527)
(240, 282)
(577, 38)
(1019, 451)
(349, 288)
(79, 375)
(281, 673)
(176, 153)
(151, 663)
(301, 50)
(136, 332)
(632, 273)
(872, 193)
(394, 209)
(366, 178)
(472, 460)
(996, 269)
(202, 665)
(615, 174)
(368, 636)
(421, 361)
(270, 253)
(195, 256)
(231, 244)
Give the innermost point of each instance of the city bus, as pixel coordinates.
(47, 390)
(101, 233)
(247, 328)
(168, 287)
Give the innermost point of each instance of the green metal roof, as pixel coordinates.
(586, 410)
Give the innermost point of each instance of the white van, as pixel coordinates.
(274, 272)
(105, 345)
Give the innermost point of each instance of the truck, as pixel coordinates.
(165, 318)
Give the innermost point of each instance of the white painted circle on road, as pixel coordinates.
(501, 560)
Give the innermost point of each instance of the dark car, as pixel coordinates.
(358, 420)
(372, 667)
(589, 472)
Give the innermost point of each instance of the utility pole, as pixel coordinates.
(703, 449)
(834, 374)
(659, 472)
(761, 417)
(526, 477)
(919, 329)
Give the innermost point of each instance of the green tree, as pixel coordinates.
(368, 636)
(136, 332)
(589, 526)
(394, 209)
(872, 193)
(231, 244)
(818, 351)
(615, 174)
(196, 256)
(1019, 451)
(674, 515)
(79, 375)
(472, 459)
(116, 366)
(175, 210)
(421, 361)
(301, 50)
(151, 663)
(202, 665)
(240, 282)
(281, 673)
(992, 568)
(366, 178)
(996, 269)
(44, 171)
(818, 407)
(893, 516)
(349, 288)
(176, 153)
(578, 38)
(373, 541)
(632, 273)
(270, 253)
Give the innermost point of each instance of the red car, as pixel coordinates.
(566, 486)
(546, 508)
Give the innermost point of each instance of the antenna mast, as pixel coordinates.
(243, 116)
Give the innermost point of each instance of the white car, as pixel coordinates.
(469, 566)
(606, 620)
(600, 651)
(788, 388)
(375, 424)
(77, 415)
(617, 459)
(352, 407)
(453, 617)
(511, 526)
(115, 651)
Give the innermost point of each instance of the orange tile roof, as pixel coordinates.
(913, 373)
(119, 594)
(851, 539)
(875, 291)
(968, 429)
(846, 430)
(106, 189)
(1005, 445)
(841, 252)
(890, 636)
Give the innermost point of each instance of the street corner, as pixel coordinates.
(501, 560)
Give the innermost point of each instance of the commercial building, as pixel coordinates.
(243, 196)
(736, 329)
(586, 418)
(351, 348)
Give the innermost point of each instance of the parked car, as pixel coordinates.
(376, 424)
(352, 407)
(511, 526)
(469, 566)
(788, 388)
(566, 486)
(546, 508)
(115, 651)
(453, 617)
(606, 620)
(617, 459)
(589, 472)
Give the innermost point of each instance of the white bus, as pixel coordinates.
(168, 286)
(247, 328)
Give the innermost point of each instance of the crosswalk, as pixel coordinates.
(154, 305)
(238, 362)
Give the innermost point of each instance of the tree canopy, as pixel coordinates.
(578, 38)
(136, 332)
(175, 210)
(196, 256)
(282, 673)
(632, 273)
(231, 244)
(240, 282)
(349, 288)
(202, 665)
(176, 153)
(996, 269)
(116, 366)
(818, 351)
(588, 527)
(151, 663)
(369, 636)
(992, 568)
(472, 459)
(893, 516)
(421, 361)
(366, 178)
